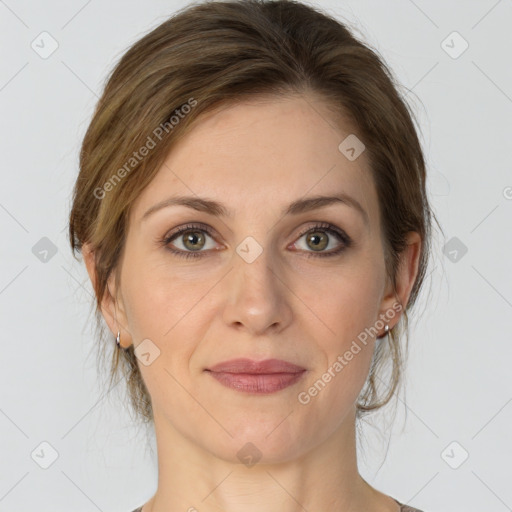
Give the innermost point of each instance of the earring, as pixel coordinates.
(118, 339)
(386, 332)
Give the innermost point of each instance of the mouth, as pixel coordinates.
(261, 377)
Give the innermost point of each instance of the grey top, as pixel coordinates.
(403, 508)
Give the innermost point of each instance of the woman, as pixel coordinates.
(252, 212)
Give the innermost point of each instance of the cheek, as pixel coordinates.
(169, 311)
(337, 383)
(156, 300)
(148, 305)
(349, 310)
(350, 304)
(161, 309)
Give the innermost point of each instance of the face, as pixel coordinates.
(257, 280)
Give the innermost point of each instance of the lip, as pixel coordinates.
(249, 376)
(244, 365)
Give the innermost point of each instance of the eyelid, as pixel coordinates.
(326, 226)
(190, 226)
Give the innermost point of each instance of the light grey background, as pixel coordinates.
(459, 386)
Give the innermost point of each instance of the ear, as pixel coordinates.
(406, 276)
(112, 309)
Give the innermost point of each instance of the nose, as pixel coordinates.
(257, 296)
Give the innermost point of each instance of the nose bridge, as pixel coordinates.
(256, 297)
(253, 269)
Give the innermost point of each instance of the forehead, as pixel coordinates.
(263, 152)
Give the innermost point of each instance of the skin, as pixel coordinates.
(256, 158)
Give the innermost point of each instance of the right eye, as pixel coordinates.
(192, 237)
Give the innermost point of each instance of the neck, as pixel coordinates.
(191, 478)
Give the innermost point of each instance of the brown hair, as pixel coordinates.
(212, 54)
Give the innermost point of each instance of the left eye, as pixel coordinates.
(319, 239)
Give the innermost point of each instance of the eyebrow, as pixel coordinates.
(217, 209)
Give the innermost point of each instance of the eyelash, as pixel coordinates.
(320, 226)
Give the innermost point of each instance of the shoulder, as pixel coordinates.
(403, 507)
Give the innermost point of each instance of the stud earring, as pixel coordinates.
(386, 332)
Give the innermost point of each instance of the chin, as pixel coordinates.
(252, 445)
